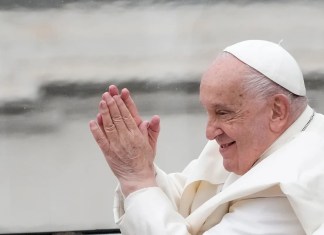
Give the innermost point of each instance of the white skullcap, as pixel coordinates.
(271, 60)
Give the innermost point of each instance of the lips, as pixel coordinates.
(223, 146)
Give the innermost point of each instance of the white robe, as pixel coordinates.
(282, 194)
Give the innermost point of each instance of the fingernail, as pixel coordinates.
(103, 105)
(104, 95)
(93, 125)
(108, 98)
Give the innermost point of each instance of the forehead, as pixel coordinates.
(223, 82)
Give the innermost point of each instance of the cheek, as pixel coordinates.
(250, 137)
(256, 140)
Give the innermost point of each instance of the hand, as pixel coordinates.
(154, 124)
(128, 143)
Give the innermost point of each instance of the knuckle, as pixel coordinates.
(127, 116)
(110, 128)
(128, 119)
(117, 119)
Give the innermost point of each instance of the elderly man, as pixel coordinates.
(262, 172)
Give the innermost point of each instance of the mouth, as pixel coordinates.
(224, 146)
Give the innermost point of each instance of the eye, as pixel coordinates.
(221, 112)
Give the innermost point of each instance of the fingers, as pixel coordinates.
(100, 123)
(144, 127)
(99, 119)
(127, 142)
(126, 115)
(154, 129)
(120, 116)
(130, 104)
(113, 90)
(155, 124)
(99, 136)
(107, 122)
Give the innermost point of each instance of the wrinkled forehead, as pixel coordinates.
(225, 68)
(223, 83)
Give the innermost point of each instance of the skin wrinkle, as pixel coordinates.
(262, 87)
(234, 116)
(246, 114)
(250, 105)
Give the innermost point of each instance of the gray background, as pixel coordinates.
(57, 58)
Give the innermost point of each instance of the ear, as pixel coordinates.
(280, 108)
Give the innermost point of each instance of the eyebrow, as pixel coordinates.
(219, 106)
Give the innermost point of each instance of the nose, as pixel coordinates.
(213, 129)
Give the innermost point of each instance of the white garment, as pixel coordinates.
(281, 194)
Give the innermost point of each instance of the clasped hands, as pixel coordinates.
(127, 142)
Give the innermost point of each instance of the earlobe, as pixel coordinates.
(279, 113)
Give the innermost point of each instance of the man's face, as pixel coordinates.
(238, 122)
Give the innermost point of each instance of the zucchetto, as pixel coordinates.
(273, 61)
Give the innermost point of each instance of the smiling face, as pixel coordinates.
(236, 120)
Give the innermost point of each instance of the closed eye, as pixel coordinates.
(222, 113)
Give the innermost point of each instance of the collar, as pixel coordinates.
(301, 122)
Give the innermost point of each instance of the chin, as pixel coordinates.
(234, 169)
(229, 167)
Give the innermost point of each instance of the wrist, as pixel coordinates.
(130, 186)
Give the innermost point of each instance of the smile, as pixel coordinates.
(227, 145)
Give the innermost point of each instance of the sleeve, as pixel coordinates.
(156, 206)
(267, 216)
(154, 210)
(147, 207)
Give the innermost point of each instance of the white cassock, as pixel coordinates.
(282, 194)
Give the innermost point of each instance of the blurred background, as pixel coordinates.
(58, 56)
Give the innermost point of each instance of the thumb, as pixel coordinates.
(143, 127)
(154, 128)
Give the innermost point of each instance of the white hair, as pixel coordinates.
(261, 87)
